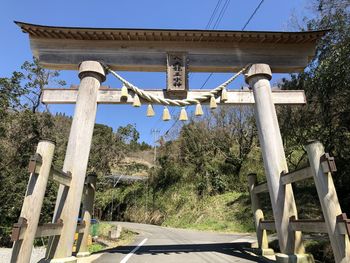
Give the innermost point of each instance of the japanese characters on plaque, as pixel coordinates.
(177, 72)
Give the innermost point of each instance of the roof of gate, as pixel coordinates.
(145, 49)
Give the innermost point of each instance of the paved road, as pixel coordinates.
(160, 244)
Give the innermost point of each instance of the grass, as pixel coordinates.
(103, 228)
(320, 249)
(95, 247)
(224, 213)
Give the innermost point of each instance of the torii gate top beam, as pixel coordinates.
(147, 49)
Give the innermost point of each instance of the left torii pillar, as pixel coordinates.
(91, 74)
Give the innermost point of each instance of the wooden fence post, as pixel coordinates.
(33, 201)
(329, 201)
(88, 205)
(261, 234)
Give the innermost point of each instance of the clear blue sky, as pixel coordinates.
(273, 15)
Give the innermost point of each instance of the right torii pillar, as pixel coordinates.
(258, 77)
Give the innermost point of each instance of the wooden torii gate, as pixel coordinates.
(68, 48)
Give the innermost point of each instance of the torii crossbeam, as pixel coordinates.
(107, 95)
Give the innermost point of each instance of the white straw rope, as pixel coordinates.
(170, 102)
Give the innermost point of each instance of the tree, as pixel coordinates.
(128, 134)
(326, 82)
(36, 78)
(21, 128)
(210, 152)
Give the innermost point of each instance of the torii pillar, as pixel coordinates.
(258, 77)
(91, 74)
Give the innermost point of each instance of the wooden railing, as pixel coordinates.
(335, 222)
(28, 228)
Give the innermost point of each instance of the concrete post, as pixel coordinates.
(329, 202)
(67, 207)
(88, 205)
(282, 197)
(261, 234)
(32, 204)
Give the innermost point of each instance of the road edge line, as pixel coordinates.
(124, 260)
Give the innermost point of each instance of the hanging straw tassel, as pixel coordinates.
(137, 102)
(150, 111)
(183, 114)
(166, 114)
(199, 110)
(212, 104)
(224, 95)
(124, 93)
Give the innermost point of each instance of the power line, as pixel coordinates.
(213, 14)
(211, 19)
(243, 28)
(217, 22)
(252, 15)
(221, 14)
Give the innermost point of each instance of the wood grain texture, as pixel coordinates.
(281, 196)
(258, 214)
(87, 212)
(329, 202)
(51, 229)
(32, 204)
(76, 159)
(147, 49)
(297, 175)
(113, 96)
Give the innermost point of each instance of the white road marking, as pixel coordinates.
(124, 260)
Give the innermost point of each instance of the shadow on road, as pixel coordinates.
(238, 250)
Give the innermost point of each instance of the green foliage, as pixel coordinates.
(95, 247)
(128, 134)
(227, 213)
(327, 85)
(320, 249)
(22, 125)
(210, 153)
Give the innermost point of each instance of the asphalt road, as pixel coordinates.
(160, 244)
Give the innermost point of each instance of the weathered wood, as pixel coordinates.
(288, 178)
(48, 229)
(297, 175)
(261, 234)
(55, 173)
(146, 50)
(88, 205)
(305, 225)
(268, 225)
(281, 196)
(33, 201)
(113, 96)
(177, 75)
(260, 188)
(343, 224)
(60, 176)
(308, 226)
(329, 202)
(67, 207)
